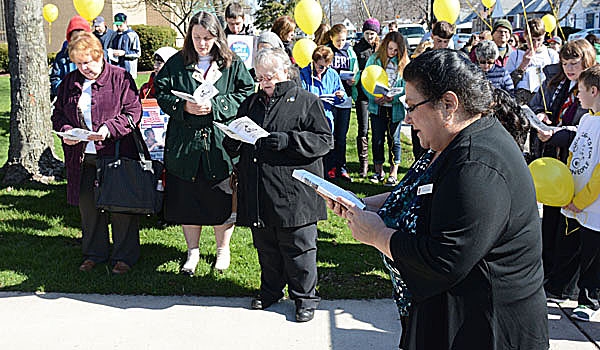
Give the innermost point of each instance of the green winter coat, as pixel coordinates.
(192, 139)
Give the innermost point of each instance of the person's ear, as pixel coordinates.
(594, 91)
(450, 102)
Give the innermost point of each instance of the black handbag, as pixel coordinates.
(129, 186)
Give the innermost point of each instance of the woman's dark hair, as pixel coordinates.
(435, 72)
(220, 51)
(509, 113)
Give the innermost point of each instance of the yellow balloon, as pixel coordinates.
(50, 12)
(553, 181)
(549, 22)
(446, 10)
(302, 51)
(308, 15)
(371, 75)
(88, 9)
(488, 3)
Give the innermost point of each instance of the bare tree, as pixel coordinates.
(30, 152)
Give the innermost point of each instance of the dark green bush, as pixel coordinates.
(151, 39)
(4, 57)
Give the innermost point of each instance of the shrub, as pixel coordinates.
(4, 57)
(151, 39)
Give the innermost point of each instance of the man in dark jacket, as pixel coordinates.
(501, 33)
(103, 33)
(126, 49)
(234, 18)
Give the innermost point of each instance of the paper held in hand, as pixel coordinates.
(76, 134)
(325, 187)
(534, 121)
(204, 92)
(243, 129)
(381, 89)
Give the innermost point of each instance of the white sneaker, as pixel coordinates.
(583, 313)
(223, 259)
(193, 258)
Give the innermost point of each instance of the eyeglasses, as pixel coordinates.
(267, 77)
(412, 108)
(486, 62)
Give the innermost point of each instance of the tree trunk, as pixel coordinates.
(30, 152)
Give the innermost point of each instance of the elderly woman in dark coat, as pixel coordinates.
(486, 53)
(282, 212)
(99, 97)
(462, 228)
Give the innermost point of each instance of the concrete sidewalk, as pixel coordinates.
(91, 321)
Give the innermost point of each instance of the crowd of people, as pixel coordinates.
(459, 233)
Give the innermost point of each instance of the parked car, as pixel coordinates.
(413, 34)
(583, 33)
(356, 38)
(460, 40)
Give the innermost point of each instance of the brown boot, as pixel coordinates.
(362, 146)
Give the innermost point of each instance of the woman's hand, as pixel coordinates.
(202, 108)
(544, 136)
(340, 94)
(572, 207)
(380, 100)
(543, 117)
(103, 134)
(70, 142)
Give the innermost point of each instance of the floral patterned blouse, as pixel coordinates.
(400, 212)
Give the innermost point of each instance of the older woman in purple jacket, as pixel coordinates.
(98, 97)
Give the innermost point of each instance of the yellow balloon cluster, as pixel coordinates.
(50, 12)
(88, 9)
(549, 22)
(446, 10)
(308, 15)
(488, 3)
(370, 76)
(302, 51)
(553, 181)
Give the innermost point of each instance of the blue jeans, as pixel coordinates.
(341, 121)
(382, 126)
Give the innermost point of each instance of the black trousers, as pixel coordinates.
(288, 256)
(94, 224)
(564, 274)
(589, 270)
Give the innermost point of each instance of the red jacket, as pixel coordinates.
(114, 94)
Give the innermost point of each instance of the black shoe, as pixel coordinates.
(304, 314)
(259, 304)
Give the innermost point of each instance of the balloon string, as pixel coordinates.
(478, 15)
(49, 33)
(366, 9)
(538, 71)
(556, 18)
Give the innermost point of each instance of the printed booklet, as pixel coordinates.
(243, 129)
(204, 92)
(325, 187)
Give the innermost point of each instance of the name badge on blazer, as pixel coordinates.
(425, 189)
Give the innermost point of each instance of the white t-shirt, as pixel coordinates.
(534, 76)
(586, 156)
(85, 104)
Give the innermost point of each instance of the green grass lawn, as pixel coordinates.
(40, 245)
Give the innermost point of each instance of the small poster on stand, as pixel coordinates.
(154, 128)
(243, 46)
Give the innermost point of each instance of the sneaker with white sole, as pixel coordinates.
(583, 313)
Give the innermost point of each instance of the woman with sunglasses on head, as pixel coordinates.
(486, 53)
(281, 211)
(387, 112)
(197, 188)
(461, 232)
(560, 106)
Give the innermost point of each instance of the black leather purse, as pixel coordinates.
(129, 186)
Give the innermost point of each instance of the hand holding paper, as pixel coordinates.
(326, 188)
(204, 92)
